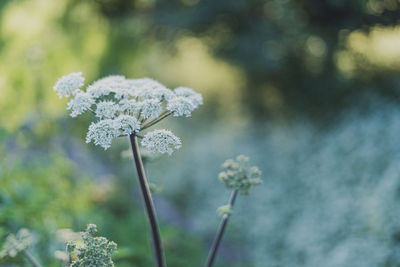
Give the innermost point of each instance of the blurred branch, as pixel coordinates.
(31, 259)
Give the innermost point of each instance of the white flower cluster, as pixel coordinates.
(69, 83)
(162, 141)
(125, 106)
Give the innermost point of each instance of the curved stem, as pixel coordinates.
(220, 232)
(151, 214)
(151, 123)
(31, 259)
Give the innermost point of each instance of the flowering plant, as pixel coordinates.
(125, 107)
(239, 176)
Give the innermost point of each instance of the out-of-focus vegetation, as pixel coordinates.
(308, 89)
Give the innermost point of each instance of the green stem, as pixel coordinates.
(220, 232)
(148, 201)
(151, 123)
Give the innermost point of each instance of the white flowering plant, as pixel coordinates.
(126, 107)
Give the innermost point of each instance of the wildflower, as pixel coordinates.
(162, 141)
(16, 243)
(238, 175)
(103, 132)
(180, 106)
(68, 83)
(96, 251)
(81, 102)
(106, 109)
(124, 105)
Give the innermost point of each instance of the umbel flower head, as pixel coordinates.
(69, 83)
(162, 141)
(124, 106)
(238, 175)
(16, 243)
(96, 251)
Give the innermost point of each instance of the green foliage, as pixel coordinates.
(47, 192)
(42, 194)
(289, 50)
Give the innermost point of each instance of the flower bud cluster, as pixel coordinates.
(124, 106)
(238, 175)
(95, 251)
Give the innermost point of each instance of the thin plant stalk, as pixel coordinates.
(31, 259)
(148, 201)
(151, 123)
(220, 232)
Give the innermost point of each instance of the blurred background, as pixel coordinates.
(308, 89)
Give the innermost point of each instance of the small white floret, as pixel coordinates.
(161, 141)
(128, 124)
(150, 108)
(196, 98)
(107, 85)
(147, 88)
(103, 132)
(68, 83)
(180, 106)
(80, 103)
(128, 106)
(106, 109)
